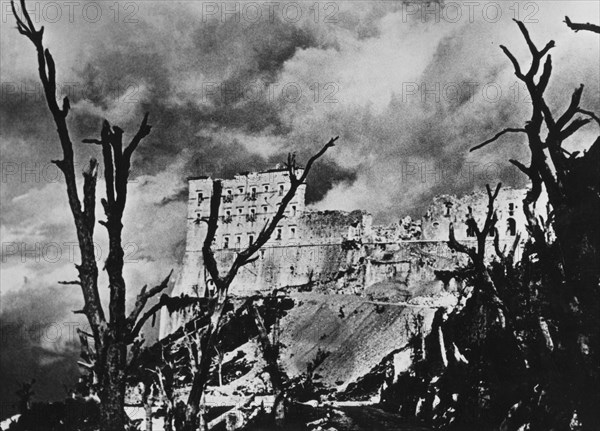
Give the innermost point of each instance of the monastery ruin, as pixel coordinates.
(329, 252)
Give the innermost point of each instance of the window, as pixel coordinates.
(470, 231)
(293, 232)
(238, 242)
(281, 189)
(252, 216)
(448, 206)
(266, 189)
(512, 227)
(250, 239)
(200, 198)
(253, 192)
(240, 211)
(293, 210)
(511, 209)
(265, 209)
(278, 238)
(241, 190)
(226, 242)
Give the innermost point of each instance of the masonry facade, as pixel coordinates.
(331, 252)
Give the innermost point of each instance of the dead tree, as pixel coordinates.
(270, 348)
(570, 261)
(222, 280)
(571, 180)
(113, 335)
(477, 254)
(483, 282)
(164, 383)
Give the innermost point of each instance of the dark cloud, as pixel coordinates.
(324, 175)
(39, 341)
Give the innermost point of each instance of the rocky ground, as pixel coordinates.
(329, 417)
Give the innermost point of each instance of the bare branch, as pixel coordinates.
(545, 78)
(589, 114)
(89, 193)
(498, 135)
(572, 109)
(72, 282)
(142, 132)
(213, 221)
(264, 236)
(577, 124)
(477, 255)
(490, 220)
(172, 303)
(575, 26)
(535, 53)
(514, 247)
(317, 156)
(143, 298)
(514, 61)
(461, 248)
(521, 166)
(499, 252)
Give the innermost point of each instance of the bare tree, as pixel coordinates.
(570, 179)
(571, 272)
(483, 281)
(477, 254)
(270, 348)
(115, 335)
(163, 383)
(222, 280)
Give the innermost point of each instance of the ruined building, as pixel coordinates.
(329, 252)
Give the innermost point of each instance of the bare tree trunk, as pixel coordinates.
(271, 355)
(112, 334)
(148, 414)
(194, 406)
(112, 388)
(572, 182)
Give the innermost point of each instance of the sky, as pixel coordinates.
(235, 86)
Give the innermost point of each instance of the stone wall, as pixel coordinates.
(446, 209)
